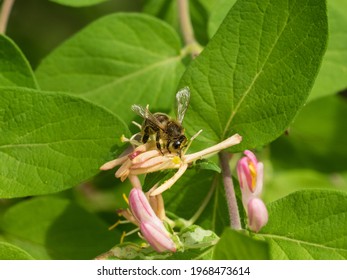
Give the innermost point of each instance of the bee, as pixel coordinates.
(168, 132)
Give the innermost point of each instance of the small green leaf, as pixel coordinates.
(54, 228)
(197, 244)
(11, 252)
(51, 142)
(256, 72)
(309, 224)
(196, 237)
(78, 3)
(204, 164)
(235, 245)
(332, 75)
(14, 67)
(117, 61)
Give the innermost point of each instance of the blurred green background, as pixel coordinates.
(38, 26)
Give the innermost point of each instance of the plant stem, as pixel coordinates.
(187, 28)
(235, 222)
(5, 14)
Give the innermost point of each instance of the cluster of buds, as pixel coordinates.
(250, 174)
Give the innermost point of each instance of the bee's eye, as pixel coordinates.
(176, 144)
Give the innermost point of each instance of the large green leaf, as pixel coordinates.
(50, 142)
(117, 61)
(55, 228)
(218, 13)
(333, 73)
(257, 71)
(11, 252)
(14, 68)
(308, 224)
(235, 245)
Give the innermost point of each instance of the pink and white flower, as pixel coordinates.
(251, 175)
(151, 226)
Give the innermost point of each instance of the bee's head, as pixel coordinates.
(179, 143)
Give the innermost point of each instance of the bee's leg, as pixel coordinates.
(146, 133)
(157, 141)
(168, 146)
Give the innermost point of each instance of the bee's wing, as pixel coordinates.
(147, 115)
(182, 99)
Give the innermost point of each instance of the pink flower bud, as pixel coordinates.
(257, 214)
(152, 228)
(157, 236)
(140, 206)
(250, 173)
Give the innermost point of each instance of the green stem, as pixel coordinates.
(5, 14)
(187, 29)
(235, 222)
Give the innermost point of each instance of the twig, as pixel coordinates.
(5, 14)
(187, 28)
(235, 222)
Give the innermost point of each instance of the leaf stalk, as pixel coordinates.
(5, 14)
(187, 28)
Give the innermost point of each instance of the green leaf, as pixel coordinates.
(51, 142)
(216, 213)
(308, 145)
(186, 196)
(256, 72)
(156, 178)
(309, 224)
(332, 75)
(199, 197)
(218, 14)
(117, 61)
(197, 244)
(204, 164)
(14, 67)
(11, 252)
(78, 3)
(235, 245)
(54, 228)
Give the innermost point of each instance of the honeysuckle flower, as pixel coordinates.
(257, 214)
(250, 174)
(146, 158)
(151, 226)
